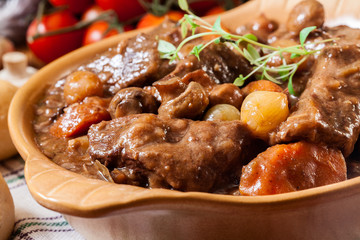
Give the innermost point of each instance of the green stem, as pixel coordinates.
(39, 14)
(188, 39)
(238, 48)
(107, 15)
(207, 44)
(146, 5)
(203, 21)
(290, 85)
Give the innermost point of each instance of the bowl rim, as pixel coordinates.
(53, 186)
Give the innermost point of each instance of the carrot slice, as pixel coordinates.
(291, 167)
(78, 117)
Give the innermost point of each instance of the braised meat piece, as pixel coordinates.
(135, 61)
(171, 86)
(183, 154)
(185, 97)
(201, 77)
(221, 63)
(346, 34)
(226, 93)
(328, 111)
(189, 104)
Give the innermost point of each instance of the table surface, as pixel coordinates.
(32, 221)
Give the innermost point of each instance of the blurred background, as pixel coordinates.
(47, 29)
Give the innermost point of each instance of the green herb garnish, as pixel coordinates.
(285, 72)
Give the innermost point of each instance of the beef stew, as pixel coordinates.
(148, 127)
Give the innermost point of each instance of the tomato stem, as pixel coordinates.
(109, 15)
(40, 14)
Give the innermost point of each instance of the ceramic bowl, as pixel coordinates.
(101, 210)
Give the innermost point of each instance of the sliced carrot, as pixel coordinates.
(78, 117)
(291, 167)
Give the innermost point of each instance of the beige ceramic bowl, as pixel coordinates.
(101, 210)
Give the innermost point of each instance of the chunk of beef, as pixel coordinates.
(185, 97)
(184, 154)
(220, 62)
(226, 93)
(169, 87)
(135, 61)
(328, 110)
(345, 34)
(132, 100)
(189, 104)
(172, 86)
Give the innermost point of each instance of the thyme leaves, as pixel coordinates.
(279, 74)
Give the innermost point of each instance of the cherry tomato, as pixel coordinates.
(96, 32)
(125, 9)
(201, 7)
(49, 48)
(215, 10)
(91, 13)
(151, 20)
(75, 6)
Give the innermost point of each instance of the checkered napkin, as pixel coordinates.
(32, 221)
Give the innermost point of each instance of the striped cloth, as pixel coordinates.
(32, 221)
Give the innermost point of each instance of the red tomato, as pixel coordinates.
(201, 7)
(49, 48)
(96, 31)
(75, 6)
(151, 20)
(91, 13)
(125, 9)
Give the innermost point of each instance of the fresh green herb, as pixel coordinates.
(294, 55)
(217, 25)
(253, 53)
(239, 81)
(251, 37)
(280, 74)
(166, 49)
(283, 74)
(184, 5)
(304, 34)
(196, 51)
(184, 29)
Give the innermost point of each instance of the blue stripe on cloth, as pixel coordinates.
(38, 218)
(26, 235)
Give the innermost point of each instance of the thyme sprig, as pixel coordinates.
(285, 72)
